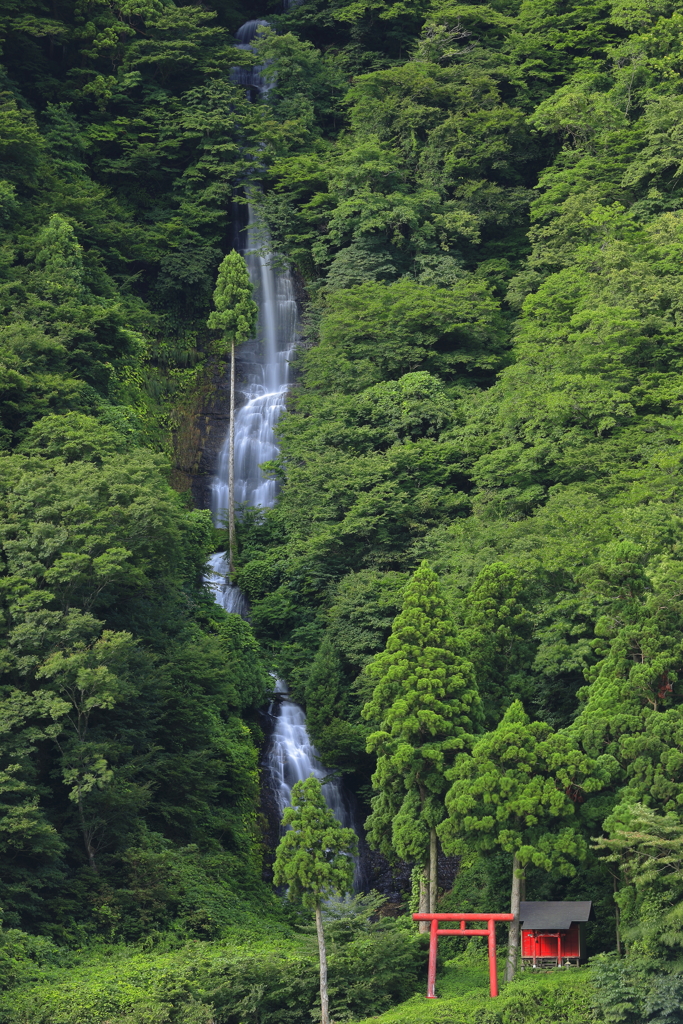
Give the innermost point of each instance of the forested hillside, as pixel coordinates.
(129, 749)
(473, 576)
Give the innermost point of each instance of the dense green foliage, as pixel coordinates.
(314, 859)
(557, 997)
(484, 203)
(261, 979)
(423, 705)
(314, 856)
(489, 221)
(128, 765)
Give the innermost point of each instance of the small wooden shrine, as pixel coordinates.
(553, 933)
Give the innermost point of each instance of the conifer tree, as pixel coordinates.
(513, 792)
(314, 861)
(235, 315)
(423, 707)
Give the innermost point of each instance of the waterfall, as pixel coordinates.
(266, 369)
(250, 78)
(264, 365)
(264, 380)
(292, 757)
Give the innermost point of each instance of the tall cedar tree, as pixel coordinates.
(314, 861)
(235, 315)
(514, 791)
(424, 705)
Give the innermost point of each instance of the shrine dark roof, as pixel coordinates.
(554, 915)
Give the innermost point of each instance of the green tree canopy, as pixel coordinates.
(518, 790)
(236, 312)
(424, 705)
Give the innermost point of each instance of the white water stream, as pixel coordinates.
(290, 755)
(264, 379)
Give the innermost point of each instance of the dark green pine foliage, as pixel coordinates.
(518, 790)
(315, 861)
(424, 706)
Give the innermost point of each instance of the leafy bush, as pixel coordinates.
(383, 965)
(25, 957)
(227, 983)
(273, 981)
(638, 990)
(554, 997)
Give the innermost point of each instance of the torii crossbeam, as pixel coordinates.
(435, 931)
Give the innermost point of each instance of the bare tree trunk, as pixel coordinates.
(89, 849)
(513, 933)
(433, 870)
(617, 920)
(232, 543)
(423, 906)
(322, 953)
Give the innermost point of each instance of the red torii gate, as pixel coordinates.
(435, 931)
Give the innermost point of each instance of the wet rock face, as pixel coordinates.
(211, 421)
(393, 880)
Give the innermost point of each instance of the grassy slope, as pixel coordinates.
(555, 997)
(215, 982)
(123, 985)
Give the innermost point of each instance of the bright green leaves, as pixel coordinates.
(314, 858)
(60, 257)
(423, 704)
(121, 679)
(306, 88)
(90, 680)
(646, 849)
(434, 165)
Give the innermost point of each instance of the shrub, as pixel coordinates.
(638, 990)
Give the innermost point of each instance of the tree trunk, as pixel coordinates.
(324, 1001)
(232, 544)
(423, 906)
(89, 849)
(433, 870)
(513, 933)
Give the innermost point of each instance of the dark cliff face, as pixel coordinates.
(203, 429)
(202, 424)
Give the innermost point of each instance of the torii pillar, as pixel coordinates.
(435, 931)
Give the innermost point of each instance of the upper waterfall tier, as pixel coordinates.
(265, 386)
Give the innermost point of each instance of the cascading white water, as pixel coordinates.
(250, 78)
(264, 380)
(265, 389)
(292, 757)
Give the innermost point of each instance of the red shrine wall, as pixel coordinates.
(546, 943)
